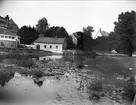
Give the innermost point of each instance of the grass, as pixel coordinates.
(117, 82)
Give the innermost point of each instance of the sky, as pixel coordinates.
(72, 15)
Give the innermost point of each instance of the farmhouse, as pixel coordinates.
(54, 44)
(8, 33)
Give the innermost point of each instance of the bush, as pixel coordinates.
(129, 90)
(95, 91)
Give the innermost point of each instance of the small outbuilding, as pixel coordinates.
(52, 44)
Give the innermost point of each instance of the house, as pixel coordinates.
(8, 33)
(8, 39)
(52, 44)
(7, 23)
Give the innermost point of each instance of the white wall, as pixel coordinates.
(8, 37)
(53, 49)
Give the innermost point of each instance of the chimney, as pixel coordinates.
(7, 20)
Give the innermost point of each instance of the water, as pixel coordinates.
(28, 61)
(23, 89)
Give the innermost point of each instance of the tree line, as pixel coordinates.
(29, 34)
(122, 38)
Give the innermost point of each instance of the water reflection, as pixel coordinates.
(23, 63)
(51, 58)
(22, 89)
(29, 61)
(38, 82)
(5, 77)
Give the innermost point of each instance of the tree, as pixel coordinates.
(84, 39)
(56, 31)
(42, 26)
(27, 34)
(88, 30)
(101, 43)
(79, 36)
(125, 33)
(113, 41)
(70, 43)
(87, 38)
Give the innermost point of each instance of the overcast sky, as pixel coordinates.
(72, 15)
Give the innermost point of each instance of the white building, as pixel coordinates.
(8, 39)
(8, 33)
(55, 45)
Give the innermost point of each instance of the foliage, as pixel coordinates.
(84, 39)
(79, 36)
(101, 43)
(88, 30)
(27, 34)
(42, 25)
(70, 43)
(87, 38)
(129, 90)
(124, 35)
(56, 31)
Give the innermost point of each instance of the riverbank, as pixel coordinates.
(106, 80)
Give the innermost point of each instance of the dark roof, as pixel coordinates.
(7, 32)
(50, 40)
(2, 19)
(11, 22)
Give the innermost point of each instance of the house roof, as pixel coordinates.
(11, 22)
(50, 40)
(2, 19)
(104, 33)
(7, 32)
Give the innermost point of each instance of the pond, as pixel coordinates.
(58, 79)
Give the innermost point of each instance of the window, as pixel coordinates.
(6, 36)
(2, 36)
(12, 37)
(50, 46)
(56, 47)
(44, 46)
(9, 37)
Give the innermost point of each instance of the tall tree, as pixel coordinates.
(27, 34)
(79, 36)
(84, 39)
(113, 41)
(87, 38)
(70, 43)
(42, 26)
(88, 30)
(125, 32)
